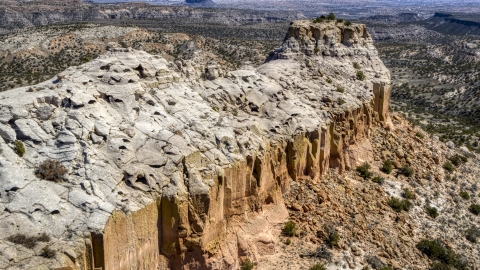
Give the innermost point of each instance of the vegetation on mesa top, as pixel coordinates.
(329, 18)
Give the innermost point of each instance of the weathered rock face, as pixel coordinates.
(182, 165)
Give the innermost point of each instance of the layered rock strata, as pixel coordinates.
(21, 14)
(182, 165)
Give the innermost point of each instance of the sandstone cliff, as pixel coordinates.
(182, 165)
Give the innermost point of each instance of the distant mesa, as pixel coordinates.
(398, 18)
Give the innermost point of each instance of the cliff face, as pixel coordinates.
(183, 165)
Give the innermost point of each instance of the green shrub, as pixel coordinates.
(289, 228)
(448, 167)
(419, 135)
(331, 16)
(19, 148)
(320, 19)
(318, 266)
(340, 89)
(458, 160)
(379, 180)
(387, 166)
(51, 170)
(341, 101)
(48, 253)
(356, 65)
(409, 195)
(406, 170)
(288, 241)
(364, 171)
(339, 20)
(464, 195)
(247, 265)
(348, 23)
(329, 80)
(439, 266)
(472, 234)
(432, 212)
(399, 205)
(436, 250)
(474, 209)
(385, 268)
(360, 75)
(332, 237)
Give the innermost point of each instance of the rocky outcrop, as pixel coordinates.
(182, 165)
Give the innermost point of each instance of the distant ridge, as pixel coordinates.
(398, 18)
(455, 23)
(200, 2)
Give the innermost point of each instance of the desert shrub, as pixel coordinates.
(360, 75)
(472, 234)
(385, 268)
(439, 266)
(288, 241)
(379, 180)
(318, 266)
(436, 250)
(356, 65)
(406, 170)
(375, 262)
(387, 166)
(339, 20)
(364, 170)
(432, 212)
(51, 170)
(19, 148)
(47, 252)
(464, 195)
(419, 135)
(399, 205)
(28, 241)
(289, 228)
(474, 209)
(331, 16)
(348, 23)
(458, 160)
(340, 89)
(409, 195)
(332, 236)
(21, 239)
(320, 19)
(341, 101)
(448, 167)
(43, 238)
(329, 80)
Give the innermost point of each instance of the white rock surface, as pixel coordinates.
(123, 123)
